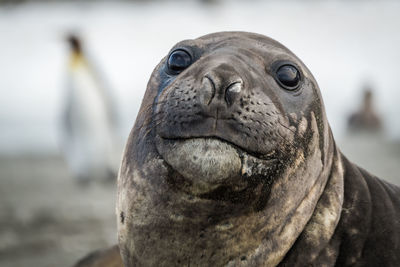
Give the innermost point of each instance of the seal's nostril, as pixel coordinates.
(207, 91)
(234, 88)
(207, 77)
(232, 92)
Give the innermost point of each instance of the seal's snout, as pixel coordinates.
(217, 94)
(221, 86)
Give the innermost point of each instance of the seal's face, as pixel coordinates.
(225, 109)
(228, 157)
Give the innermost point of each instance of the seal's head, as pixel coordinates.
(228, 157)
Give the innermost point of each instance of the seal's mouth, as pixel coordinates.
(271, 155)
(208, 164)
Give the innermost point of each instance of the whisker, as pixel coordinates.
(283, 125)
(151, 106)
(151, 128)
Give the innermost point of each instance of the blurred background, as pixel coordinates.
(62, 63)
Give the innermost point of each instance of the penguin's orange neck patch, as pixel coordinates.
(76, 59)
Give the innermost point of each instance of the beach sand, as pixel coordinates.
(46, 218)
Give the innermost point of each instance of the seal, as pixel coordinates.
(231, 162)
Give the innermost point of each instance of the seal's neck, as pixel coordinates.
(302, 212)
(313, 244)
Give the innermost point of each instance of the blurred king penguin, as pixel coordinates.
(89, 120)
(366, 119)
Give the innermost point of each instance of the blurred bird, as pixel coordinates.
(365, 119)
(89, 121)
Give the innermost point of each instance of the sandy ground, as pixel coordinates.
(46, 219)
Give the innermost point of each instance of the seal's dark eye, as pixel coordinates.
(288, 77)
(179, 60)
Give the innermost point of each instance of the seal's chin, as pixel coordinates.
(207, 164)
